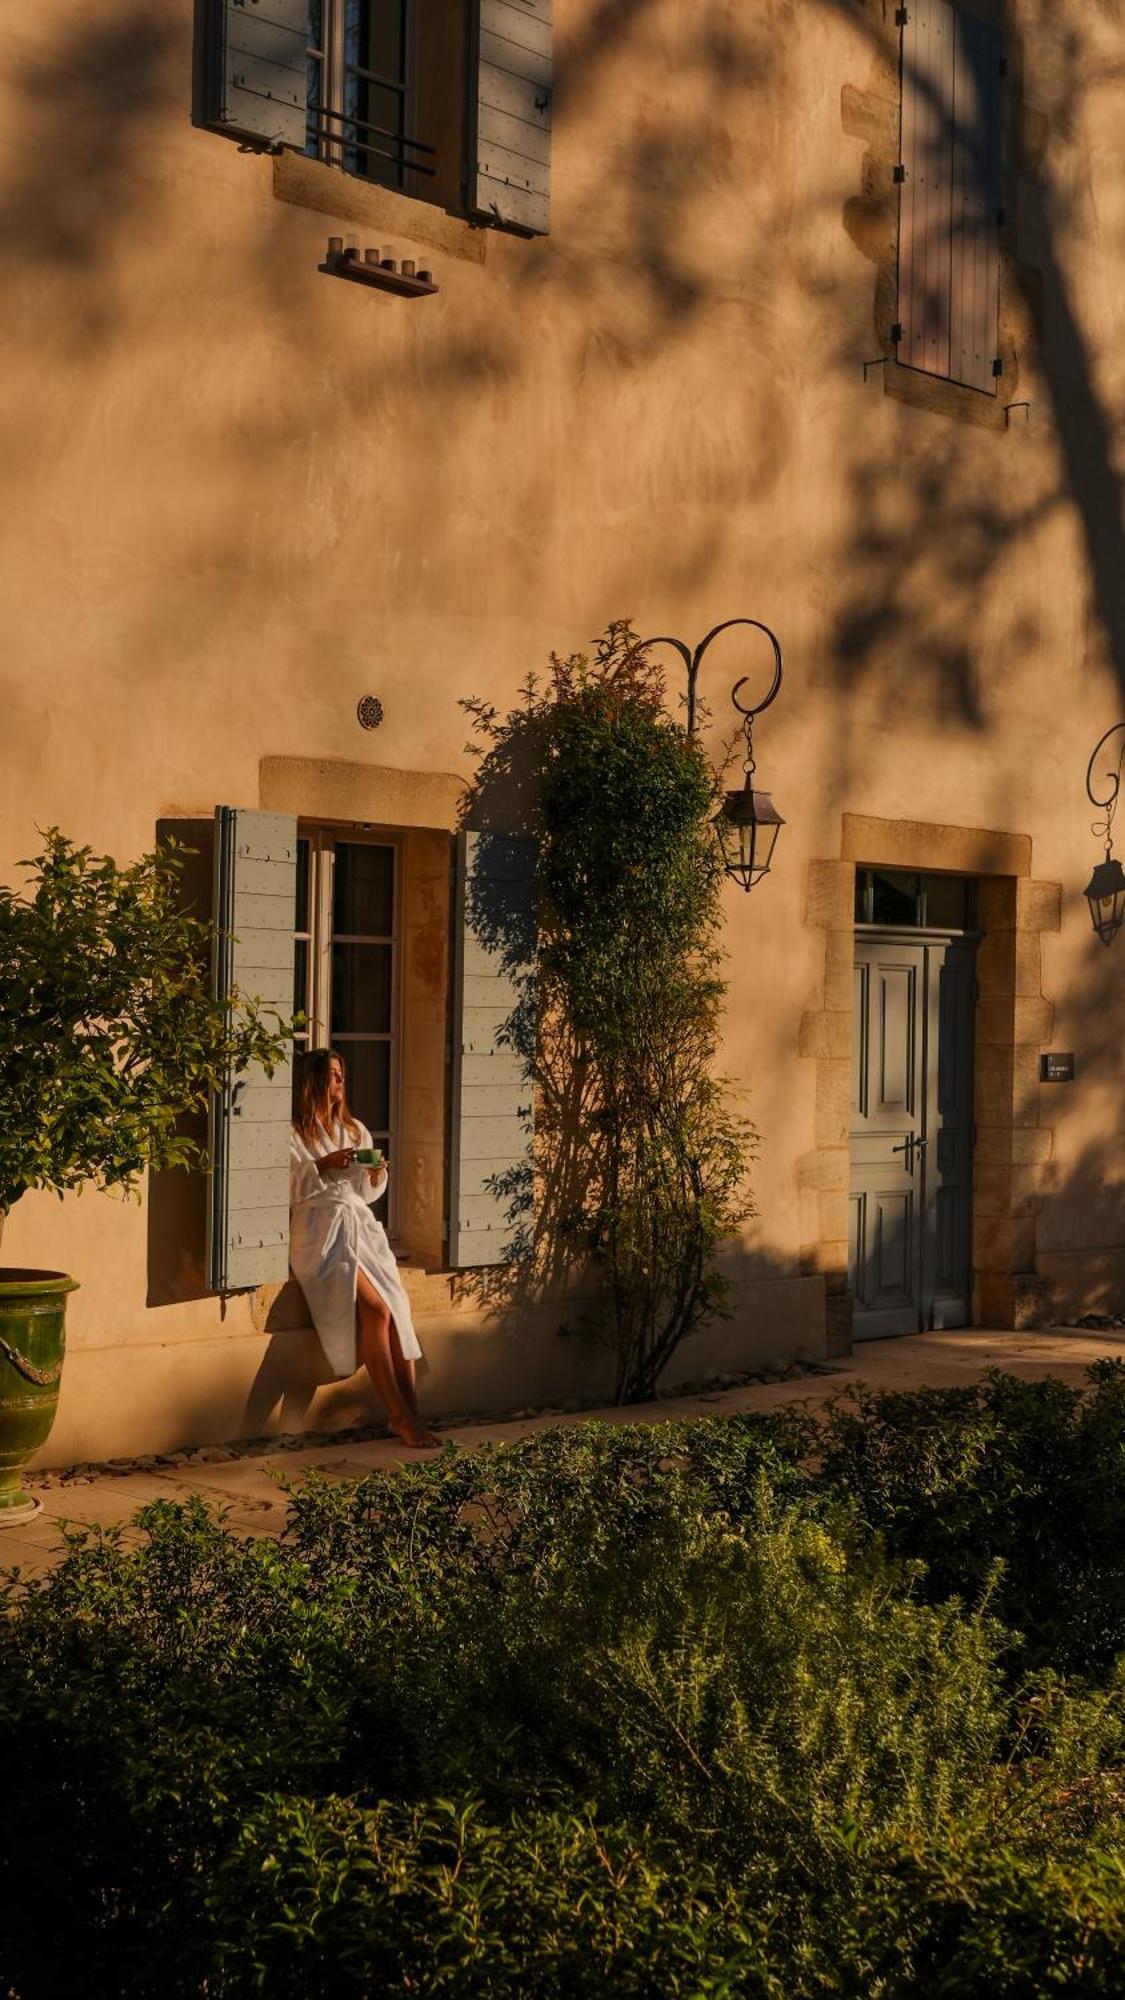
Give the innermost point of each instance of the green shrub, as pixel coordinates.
(616, 1710)
(1028, 1474)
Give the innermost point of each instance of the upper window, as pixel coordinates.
(390, 91)
(363, 91)
(950, 195)
(900, 900)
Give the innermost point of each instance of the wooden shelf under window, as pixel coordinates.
(383, 274)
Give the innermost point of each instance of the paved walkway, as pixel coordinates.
(246, 1486)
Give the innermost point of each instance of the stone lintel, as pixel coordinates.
(322, 788)
(961, 850)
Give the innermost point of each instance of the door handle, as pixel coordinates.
(910, 1145)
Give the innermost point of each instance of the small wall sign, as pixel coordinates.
(1056, 1068)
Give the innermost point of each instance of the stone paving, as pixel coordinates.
(245, 1484)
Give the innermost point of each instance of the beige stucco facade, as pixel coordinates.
(241, 494)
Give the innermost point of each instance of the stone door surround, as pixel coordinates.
(1013, 1023)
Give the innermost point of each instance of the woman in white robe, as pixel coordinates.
(340, 1253)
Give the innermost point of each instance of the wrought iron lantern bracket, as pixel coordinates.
(1105, 891)
(747, 823)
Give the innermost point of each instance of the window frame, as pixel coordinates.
(411, 156)
(324, 839)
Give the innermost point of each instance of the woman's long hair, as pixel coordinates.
(310, 1094)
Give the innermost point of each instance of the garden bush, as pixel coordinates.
(1030, 1474)
(735, 1707)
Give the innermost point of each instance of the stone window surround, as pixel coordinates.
(1013, 1023)
(421, 808)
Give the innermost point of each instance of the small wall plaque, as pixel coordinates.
(1056, 1068)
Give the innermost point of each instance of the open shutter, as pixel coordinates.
(509, 168)
(950, 201)
(260, 72)
(493, 1101)
(255, 895)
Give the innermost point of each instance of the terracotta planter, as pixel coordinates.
(32, 1344)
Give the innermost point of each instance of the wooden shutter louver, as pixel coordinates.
(493, 1100)
(950, 200)
(255, 896)
(509, 177)
(261, 69)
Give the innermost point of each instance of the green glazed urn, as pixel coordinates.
(32, 1344)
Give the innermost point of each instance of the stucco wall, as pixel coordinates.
(240, 494)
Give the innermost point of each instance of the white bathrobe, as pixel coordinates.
(333, 1236)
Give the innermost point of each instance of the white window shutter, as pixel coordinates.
(493, 1099)
(510, 163)
(255, 896)
(261, 69)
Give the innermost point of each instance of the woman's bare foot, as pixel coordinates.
(413, 1432)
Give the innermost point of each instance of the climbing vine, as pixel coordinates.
(641, 1158)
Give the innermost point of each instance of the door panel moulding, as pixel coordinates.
(1013, 1021)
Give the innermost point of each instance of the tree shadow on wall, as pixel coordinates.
(541, 1192)
(932, 615)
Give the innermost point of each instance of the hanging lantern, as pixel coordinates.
(1105, 891)
(748, 823)
(746, 827)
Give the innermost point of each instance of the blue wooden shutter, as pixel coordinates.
(950, 200)
(255, 896)
(493, 1100)
(260, 71)
(510, 159)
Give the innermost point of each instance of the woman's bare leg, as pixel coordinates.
(405, 1374)
(378, 1352)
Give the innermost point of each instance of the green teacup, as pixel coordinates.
(369, 1156)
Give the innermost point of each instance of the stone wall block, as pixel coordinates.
(830, 896)
(996, 903)
(993, 1083)
(1010, 962)
(1003, 1243)
(1025, 1146)
(827, 1169)
(1003, 1021)
(1026, 1087)
(833, 1208)
(996, 955)
(1028, 1192)
(826, 1035)
(839, 971)
(1038, 906)
(1035, 1021)
(1009, 1192)
(1006, 1088)
(838, 1314)
(992, 1188)
(833, 1103)
(964, 850)
(1015, 1302)
(995, 1027)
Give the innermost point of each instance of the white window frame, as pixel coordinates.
(323, 841)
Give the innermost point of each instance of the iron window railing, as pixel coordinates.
(359, 110)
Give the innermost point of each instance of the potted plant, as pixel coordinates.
(110, 1039)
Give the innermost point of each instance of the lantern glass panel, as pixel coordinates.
(1105, 894)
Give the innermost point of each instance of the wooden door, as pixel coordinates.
(911, 1135)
